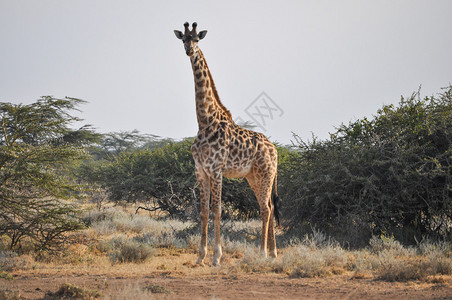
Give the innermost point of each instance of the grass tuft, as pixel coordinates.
(157, 289)
(135, 291)
(392, 269)
(120, 249)
(394, 262)
(8, 294)
(10, 261)
(378, 244)
(71, 291)
(305, 261)
(254, 261)
(5, 275)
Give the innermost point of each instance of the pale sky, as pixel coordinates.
(322, 63)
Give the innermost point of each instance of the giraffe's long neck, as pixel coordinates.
(209, 108)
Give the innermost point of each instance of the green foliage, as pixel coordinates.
(238, 199)
(390, 174)
(161, 173)
(163, 176)
(37, 148)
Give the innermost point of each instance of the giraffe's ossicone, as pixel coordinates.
(222, 148)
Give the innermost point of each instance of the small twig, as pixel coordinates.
(243, 232)
(148, 209)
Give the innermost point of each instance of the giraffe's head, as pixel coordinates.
(190, 38)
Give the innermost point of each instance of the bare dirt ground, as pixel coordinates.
(176, 277)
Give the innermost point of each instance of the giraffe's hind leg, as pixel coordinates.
(271, 232)
(262, 188)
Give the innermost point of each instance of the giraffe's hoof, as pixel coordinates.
(215, 263)
(200, 262)
(271, 259)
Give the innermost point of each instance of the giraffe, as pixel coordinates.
(222, 148)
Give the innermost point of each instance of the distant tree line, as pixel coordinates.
(390, 174)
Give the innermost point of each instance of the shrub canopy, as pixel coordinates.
(37, 147)
(391, 174)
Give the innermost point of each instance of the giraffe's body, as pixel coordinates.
(222, 148)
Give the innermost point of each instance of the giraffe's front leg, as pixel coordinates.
(204, 190)
(261, 192)
(216, 213)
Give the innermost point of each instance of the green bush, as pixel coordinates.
(391, 174)
(162, 174)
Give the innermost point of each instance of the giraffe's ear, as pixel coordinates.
(202, 34)
(178, 34)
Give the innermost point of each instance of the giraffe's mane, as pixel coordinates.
(215, 93)
(214, 89)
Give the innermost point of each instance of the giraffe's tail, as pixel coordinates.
(275, 199)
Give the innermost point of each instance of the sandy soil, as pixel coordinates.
(178, 278)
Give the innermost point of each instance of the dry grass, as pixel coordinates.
(303, 261)
(121, 249)
(385, 259)
(128, 291)
(391, 261)
(10, 261)
(113, 221)
(306, 258)
(118, 241)
(9, 294)
(411, 267)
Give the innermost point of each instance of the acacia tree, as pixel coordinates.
(37, 146)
